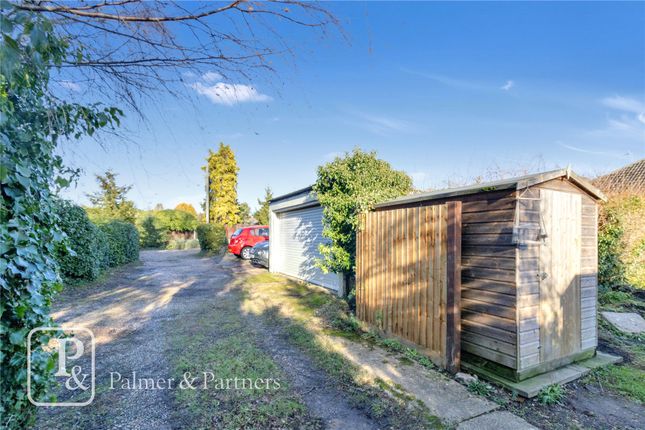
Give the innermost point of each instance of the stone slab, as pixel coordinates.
(445, 398)
(531, 387)
(601, 359)
(496, 421)
(627, 322)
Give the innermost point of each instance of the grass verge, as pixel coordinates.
(216, 339)
(306, 315)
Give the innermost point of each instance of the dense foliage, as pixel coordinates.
(245, 213)
(222, 170)
(186, 207)
(621, 242)
(346, 187)
(174, 220)
(149, 235)
(86, 255)
(262, 214)
(183, 244)
(155, 227)
(111, 202)
(31, 123)
(123, 242)
(211, 237)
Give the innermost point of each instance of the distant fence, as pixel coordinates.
(179, 235)
(408, 279)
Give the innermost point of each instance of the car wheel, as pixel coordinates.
(246, 253)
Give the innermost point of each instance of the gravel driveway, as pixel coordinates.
(138, 314)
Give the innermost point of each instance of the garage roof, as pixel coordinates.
(291, 194)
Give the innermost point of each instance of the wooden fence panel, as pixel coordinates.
(408, 277)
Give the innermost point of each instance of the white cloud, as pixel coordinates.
(629, 123)
(230, 94)
(379, 124)
(211, 77)
(625, 104)
(447, 80)
(72, 86)
(508, 85)
(590, 151)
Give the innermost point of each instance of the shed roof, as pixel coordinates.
(518, 183)
(630, 178)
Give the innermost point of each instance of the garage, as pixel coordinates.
(296, 231)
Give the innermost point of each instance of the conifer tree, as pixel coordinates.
(110, 202)
(262, 214)
(222, 168)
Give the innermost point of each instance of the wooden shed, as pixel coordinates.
(528, 270)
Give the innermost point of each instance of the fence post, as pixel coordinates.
(453, 302)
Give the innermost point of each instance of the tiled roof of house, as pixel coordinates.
(630, 178)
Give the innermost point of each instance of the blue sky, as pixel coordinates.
(442, 91)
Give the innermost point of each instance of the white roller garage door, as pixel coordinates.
(299, 232)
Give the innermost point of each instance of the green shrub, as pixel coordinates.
(621, 241)
(174, 220)
(123, 242)
(176, 244)
(191, 244)
(211, 237)
(149, 235)
(346, 187)
(480, 388)
(551, 395)
(84, 256)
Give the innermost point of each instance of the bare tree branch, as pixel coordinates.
(126, 50)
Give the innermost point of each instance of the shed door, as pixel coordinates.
(559, 274)
(299, 234)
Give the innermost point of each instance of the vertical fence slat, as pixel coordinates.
(417, 285)
(359, 278)
(389, 252)
(444, 278)
(423, 279)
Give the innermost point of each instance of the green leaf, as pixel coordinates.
(17, 337)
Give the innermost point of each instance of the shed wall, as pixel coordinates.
(489, 270)
(488, 276)
(528, 286)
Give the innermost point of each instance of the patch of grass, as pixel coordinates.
(480, 388)
(391, 345)
(291, 306)
(217, 340)
(551, 395)
(262, 278)
(623, 379)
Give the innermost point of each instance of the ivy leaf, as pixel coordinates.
(17, 337)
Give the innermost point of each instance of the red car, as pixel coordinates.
(245, 238)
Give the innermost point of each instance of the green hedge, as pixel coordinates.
(90, 249)
(621, 242)
(85, 256)
(123, 242)
(211, 237)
